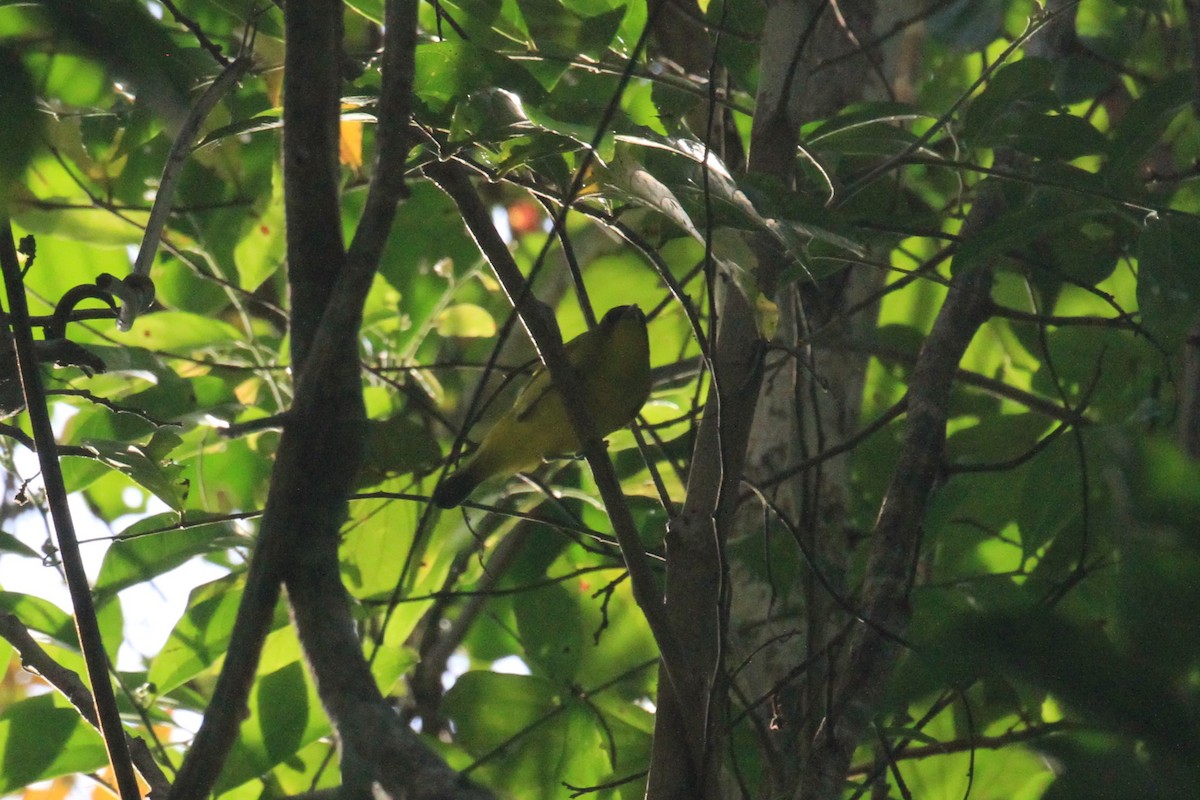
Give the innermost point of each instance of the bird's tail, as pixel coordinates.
(455, 489)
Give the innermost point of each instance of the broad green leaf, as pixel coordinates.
(201, 637)
(1051, 499)
(235, 475)
(230, 17)
(1169, 276)
(448, 71)
(158, 544)
(177, 331)
(12, 545)
(1141, 127)
(1079, 665)
(371, 9)
(95, 226)
(465, 320)
(40, 615)
(632, 728)
(285, 716)
(376, 547)
(968, 25)
(1101, 765)
(1016, 90)
(1045, 214)
(260, 253)
(1163, 482)
(867, 129)
(1049, 136)
(488, 708)
(396, 446)
(561, 31)
(547, 740)
(126, 39)
(551, 629)
(73, 79)
(179, 400)
(179, 285)
(163, 479)
(43, 738)
(1012, 773)
(20, 132)
(308, 770)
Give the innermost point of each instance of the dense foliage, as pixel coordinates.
(1039, 640)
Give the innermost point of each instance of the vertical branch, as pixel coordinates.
(86, 625)
(311, 175)
(873, 649)
(312, 91)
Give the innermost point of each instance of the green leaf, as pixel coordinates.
(396, 446)
(1079, 665)
(14, 546)
(142, 465)
(43, 738)
(371, 9)
(235, 475)
(1048, 136)
(285, 716)
(261, 251)
(551, 628)
(547, 740)
(1099, 765)
(1014, 93)
(872, 129)
(1046, 213)
(1163, 485)
(1144, 123)
(449, 71)
(175, 399)
(558, 31)
(129, 42)
(20, 132)
(158, 544)
(201, 637)
(1051, 499)
(40, 615)
(177, 331)
(465, 320)
(1168, 288)
(968, 25)
(487, 708)
(96, 226)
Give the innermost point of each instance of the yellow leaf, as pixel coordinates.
(350, 146)
(57, 790)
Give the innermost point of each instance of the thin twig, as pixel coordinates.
(164, 198)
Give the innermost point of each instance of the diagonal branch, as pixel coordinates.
(86, 625)
(897, 534)
(453, 180)
(71, 687)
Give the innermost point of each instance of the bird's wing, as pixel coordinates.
(580, 351)
(532, 394)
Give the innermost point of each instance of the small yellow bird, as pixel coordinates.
(613, 361)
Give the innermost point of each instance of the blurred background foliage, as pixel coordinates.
(1053, 653)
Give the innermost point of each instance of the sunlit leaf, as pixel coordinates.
(466, 320)
(42, 738)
